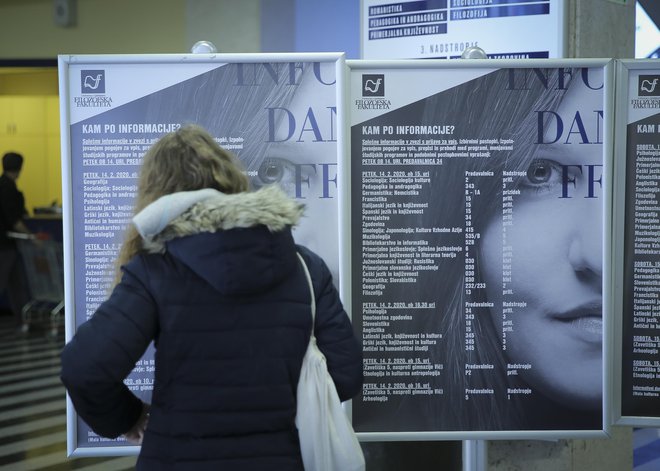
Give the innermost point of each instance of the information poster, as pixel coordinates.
(443, 29)
(478, 218)
(277, 113)
(640, 359)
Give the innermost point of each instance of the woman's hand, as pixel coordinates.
(136, 434)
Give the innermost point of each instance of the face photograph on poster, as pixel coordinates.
(278, 118)
(481, 295)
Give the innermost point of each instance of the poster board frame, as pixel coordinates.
(65, 62)
(380, 67)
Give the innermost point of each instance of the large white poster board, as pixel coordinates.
(637, 226)
(480, 243)
(277, 112)
(443, 29)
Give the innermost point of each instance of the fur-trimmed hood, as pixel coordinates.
(191, 212)
(238, 243)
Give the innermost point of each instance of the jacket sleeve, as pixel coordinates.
(12, 206)
(334, 331)
(104, 351)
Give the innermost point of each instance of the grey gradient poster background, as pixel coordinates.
(279, 118)
(478, 214)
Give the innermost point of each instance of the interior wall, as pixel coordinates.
(29, 81)
(278, 25)
(323, 26)
(28, 29)
(232, 26)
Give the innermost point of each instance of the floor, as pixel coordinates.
(32, 405)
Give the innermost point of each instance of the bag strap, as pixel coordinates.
(311, 288)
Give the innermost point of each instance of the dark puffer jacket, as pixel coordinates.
(227, 303)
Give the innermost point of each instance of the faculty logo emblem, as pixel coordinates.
(373, 85)
(649, 85)
(92, 81)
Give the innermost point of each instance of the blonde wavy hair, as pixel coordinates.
(185, 160)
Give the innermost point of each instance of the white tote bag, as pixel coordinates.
(327, 439)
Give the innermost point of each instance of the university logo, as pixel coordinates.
(649, 85)
(92, 89)
(92, 81)
(373, 85)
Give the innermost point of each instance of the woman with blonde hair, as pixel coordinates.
(209, 272)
